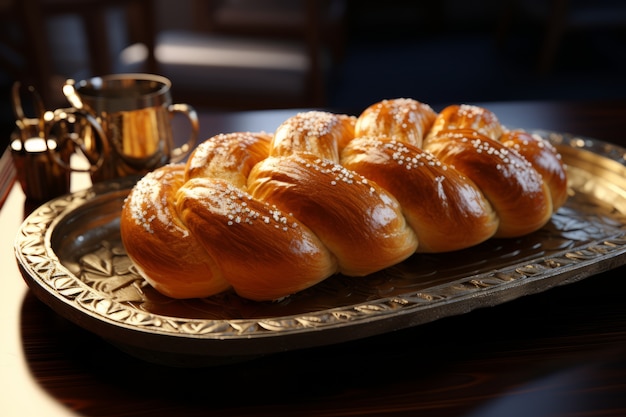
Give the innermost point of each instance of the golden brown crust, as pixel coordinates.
(544, 157)
(228, 156)
(360, 223)
(158, 242)
(514, 188)
(466, 116)
(402, 119)
(271, 215)
(446, 210)
(320, 133)
(264, 252)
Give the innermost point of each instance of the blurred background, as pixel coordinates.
(338, 54)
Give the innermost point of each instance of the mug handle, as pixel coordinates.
(72, 116)
(182, 151)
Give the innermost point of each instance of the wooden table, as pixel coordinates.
(558, 353)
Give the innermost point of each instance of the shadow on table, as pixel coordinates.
(518, 356)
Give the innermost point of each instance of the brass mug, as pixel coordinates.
(134, 112)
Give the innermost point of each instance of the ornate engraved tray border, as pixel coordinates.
(70, 255)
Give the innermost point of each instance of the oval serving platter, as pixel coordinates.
(70, 254)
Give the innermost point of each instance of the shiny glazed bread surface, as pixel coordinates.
(268, 215)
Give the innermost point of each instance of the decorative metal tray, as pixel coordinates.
(70, 254)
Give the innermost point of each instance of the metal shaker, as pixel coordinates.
(34, 152)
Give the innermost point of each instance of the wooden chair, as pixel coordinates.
(302, 36)
(34, 16)
(205, 76)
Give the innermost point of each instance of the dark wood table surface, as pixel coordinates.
(558, 353)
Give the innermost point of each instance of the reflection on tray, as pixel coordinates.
(581, 221)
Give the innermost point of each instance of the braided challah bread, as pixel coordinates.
(270, 215)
